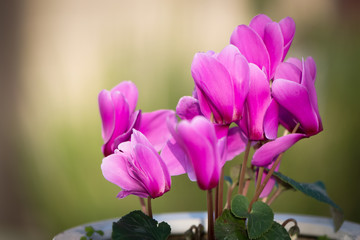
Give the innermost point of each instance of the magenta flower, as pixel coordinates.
(195, 150)
(119, 118)
(260, 116)
(294, 91)
(137, 168)
(221, 83)
(189, 107)
(264, 42)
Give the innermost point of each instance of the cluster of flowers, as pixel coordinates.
(248, 83)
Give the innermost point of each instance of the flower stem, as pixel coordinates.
(220, 194)
(143, 206)
(275, 195)
(243, 168)
(246, 188)
(259, 178)
(269, 174)
(210, 215)
(149, 207)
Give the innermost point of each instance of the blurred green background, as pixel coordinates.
(56, 56)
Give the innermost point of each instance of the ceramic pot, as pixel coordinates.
(310, 226)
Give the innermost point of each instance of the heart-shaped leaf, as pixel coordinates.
(277, 232)
(137, 225)
(227, 226)
(260, 218)
(239, 206)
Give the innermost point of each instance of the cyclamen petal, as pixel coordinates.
(295, 99)
(274, 43)
(188, 107)
(214, 82)
(153, 126)
(120, 121)
(258, 100)
(270, 150)
(137, 168)
(119, 118)
(251, 46)
(288, 28)
(130, 92)
(204, 154)
(264, 42)
(221, 84)
(259, 22)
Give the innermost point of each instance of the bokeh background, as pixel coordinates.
(57, 55)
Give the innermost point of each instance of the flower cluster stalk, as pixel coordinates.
(211, 235)
(243, 168)
(149, 207)
(143, 206)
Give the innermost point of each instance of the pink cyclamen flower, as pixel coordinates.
(195, 150)
(188, 107)
(264, 42)
(221, 83)
(259, 120)
(137, 168)
(294, 90)
(119, 118)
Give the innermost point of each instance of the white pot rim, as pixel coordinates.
(182, 221)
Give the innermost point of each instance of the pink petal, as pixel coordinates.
(155, 178)
(238, 68)
(251, 46)
(258, 101)
(221, 130)
(296, 62)
(288, 71)
(271, 120)
(134, 122)
(125, 193)
(115, 170)
(259, 22)
(121, 121)
(269, 151)
(204, 158)
(311, 66)
(188, 107)
(288, 28)
(175, 158)
(154, 126)
(295, 99)
(106, 108)
(130, 92)
(274, 43)
(236, 143)
(214, 82)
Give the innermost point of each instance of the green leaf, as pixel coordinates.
(83, 238)
(239, 206)
(277, 232)
(137, 225)
(89, 231)
(228, 227)
(260, 220)
(317, 191)
(101, 233)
